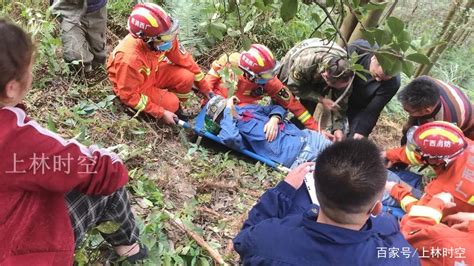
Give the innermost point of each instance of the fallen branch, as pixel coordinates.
(253, 193)
(229, 247)
(217, 185)
(210, 211)
(199, 240)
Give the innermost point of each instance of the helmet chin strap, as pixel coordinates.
(445, 160)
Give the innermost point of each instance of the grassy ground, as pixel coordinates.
(208, 187)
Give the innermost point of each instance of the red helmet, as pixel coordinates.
(149, 20)
(259, 63)
(437, 140)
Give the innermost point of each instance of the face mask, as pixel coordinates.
(261, 81)
(163, 46)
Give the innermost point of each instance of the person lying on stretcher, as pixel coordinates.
(263, 130)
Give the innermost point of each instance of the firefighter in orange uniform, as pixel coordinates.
(149, 69)
(439, 240)
(443, 146)
(259, 79)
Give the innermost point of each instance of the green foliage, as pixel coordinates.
(206, 165)
(90, 114)
(223, 19)
(88, 108)
(38, 21)
(397, 50)
(454, 68)
(375, 5)
(119, 10)
(191, 14)
(229, 76)
(288, 9)
(108, 227)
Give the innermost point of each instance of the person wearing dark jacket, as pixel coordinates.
(346, 229)
(427, 99)
(370, 96)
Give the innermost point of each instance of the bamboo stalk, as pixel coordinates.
(447, 37)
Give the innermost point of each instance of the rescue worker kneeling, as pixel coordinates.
(444, 147)
(258, 79)
(346, 229)
(440, 240)
(262, 129)
(149, 69)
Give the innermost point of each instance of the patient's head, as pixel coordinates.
(350, 179)
(214, 113)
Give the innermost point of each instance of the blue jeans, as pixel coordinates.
(412, 179)
(314, 144)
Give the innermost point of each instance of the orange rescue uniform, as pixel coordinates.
(436, 243)
(250, 93)
(456, 178)
(152, 81)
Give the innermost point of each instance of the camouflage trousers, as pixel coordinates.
(82, 34)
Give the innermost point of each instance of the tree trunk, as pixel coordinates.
(457, 36)
(446, 23)
(444, 28)
(412, 14)
(349, 23)
(392, 8)
(466, 25)
(371, 20)
(465, 36)
(447, 37)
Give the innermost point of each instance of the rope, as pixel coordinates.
(337, 100)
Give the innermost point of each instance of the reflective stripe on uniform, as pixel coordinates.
(424, 211)
(142, 103)
(304, 117)
(214, 73)
(471, 200)
(411, 156)
(145, 70)
(407, 200)
(199, 76)
(162, 57)
(183, 95)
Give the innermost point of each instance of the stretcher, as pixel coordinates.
(199, 128)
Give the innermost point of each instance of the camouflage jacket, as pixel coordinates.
(301, 72)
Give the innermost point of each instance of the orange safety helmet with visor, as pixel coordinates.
(258, 64)
(437, 143)
(151, 23)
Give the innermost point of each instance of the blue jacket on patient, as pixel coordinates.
(246, 131)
